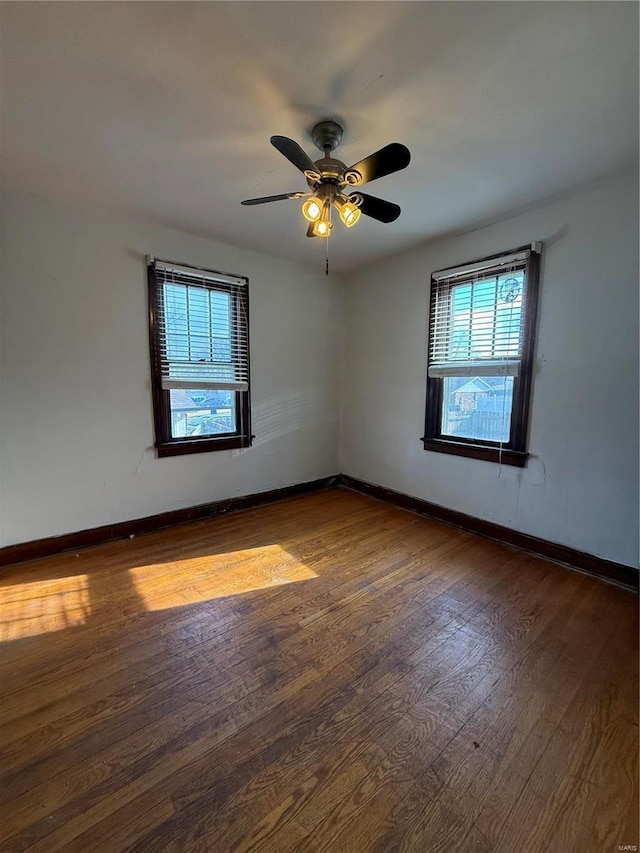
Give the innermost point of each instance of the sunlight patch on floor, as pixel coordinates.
(104, 595)
(175, 584)
(29, 609)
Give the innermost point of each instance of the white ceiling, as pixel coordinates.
(165, 110)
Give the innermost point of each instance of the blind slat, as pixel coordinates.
(482, 266)
(168, 268)
(475, 368)
(169, 384)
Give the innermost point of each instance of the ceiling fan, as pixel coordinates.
(330, 180)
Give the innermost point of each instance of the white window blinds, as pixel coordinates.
(202, 328)
(477, 318)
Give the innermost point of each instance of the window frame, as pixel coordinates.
(165, 444)
(514, 452)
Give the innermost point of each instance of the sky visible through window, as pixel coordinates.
(198, 324)
(198, 330)
(485, 325)
(485, 318)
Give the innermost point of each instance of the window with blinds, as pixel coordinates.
(480, 351)
(199, 332)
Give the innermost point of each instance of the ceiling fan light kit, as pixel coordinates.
(312, 208)
(322, 228)
(330, 180)
(348, 210)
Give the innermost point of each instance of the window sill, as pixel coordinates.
(206, 445)
(517, 458)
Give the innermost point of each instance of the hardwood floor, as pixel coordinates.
(325, 674)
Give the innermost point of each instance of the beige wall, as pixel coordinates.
(581, 484)
(76, 428)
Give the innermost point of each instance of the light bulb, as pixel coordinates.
(321, 228)
(349, 213)
(312, 209)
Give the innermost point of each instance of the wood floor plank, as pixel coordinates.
(328, 673)
(371, 673)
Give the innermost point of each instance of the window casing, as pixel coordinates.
(482, 322)
(199, 345)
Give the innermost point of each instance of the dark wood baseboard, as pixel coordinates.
(626, 576)
(33, 550)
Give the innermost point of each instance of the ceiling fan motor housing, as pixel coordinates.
(330, 169)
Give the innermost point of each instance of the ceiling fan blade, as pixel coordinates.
(268, 198)
(377, 208)
(389, 159)
(292, 151)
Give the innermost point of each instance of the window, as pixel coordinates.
(481, 336)
(199, 337)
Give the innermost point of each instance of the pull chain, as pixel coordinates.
(326, 265)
